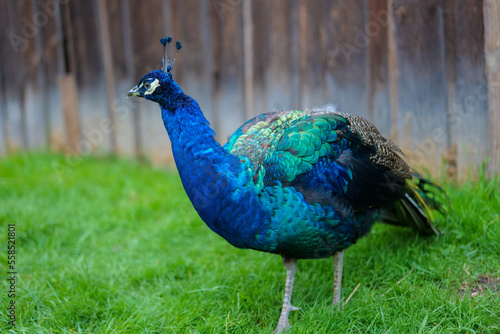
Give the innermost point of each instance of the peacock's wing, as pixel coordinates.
(281, 145)
(331, 158)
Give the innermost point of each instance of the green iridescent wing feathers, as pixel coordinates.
(282, 145)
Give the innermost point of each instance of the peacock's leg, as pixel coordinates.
(291, 268)
(338, 261)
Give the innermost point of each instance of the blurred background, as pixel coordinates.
(426, 73)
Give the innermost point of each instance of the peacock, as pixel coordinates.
(304, 184)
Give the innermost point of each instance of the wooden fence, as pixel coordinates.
(425, 72)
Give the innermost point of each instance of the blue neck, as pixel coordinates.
(193, 143)
(213, 179)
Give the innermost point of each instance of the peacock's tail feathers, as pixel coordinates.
(418, 205)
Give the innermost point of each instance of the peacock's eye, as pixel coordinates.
(147, 85)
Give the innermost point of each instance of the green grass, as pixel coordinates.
(112, 246)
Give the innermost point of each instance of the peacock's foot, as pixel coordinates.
(282, 327)
(284, 324)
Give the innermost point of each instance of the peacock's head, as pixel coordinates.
(158, 85)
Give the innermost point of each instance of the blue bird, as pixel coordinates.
(304, 184)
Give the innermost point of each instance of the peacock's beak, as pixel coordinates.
(134, 92)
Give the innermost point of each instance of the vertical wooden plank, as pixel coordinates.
(54, 67)
(450, 30)
(449, 19)
(42, 88)
(260, 54)
(5, 45)
(117, 39)
(282, 70)
(228, 61)
(25, 68)
(175, 26)
(207, 68)
(422, 79)
(68, 87)
(492, 55)
(377, 29)
(348, 39)
(248, 58)
(393, 71)
(36, 114)
(312, 60)
(49, 48)
(129, 80)
(294, 52)
(38, 100)
(469, 122)
(109, 76)
(69, 44)
(95, 122)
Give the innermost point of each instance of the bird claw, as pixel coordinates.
(293, 308)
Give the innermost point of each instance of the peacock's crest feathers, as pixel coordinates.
(168, 63)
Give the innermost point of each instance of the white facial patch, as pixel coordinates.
(155, 84)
